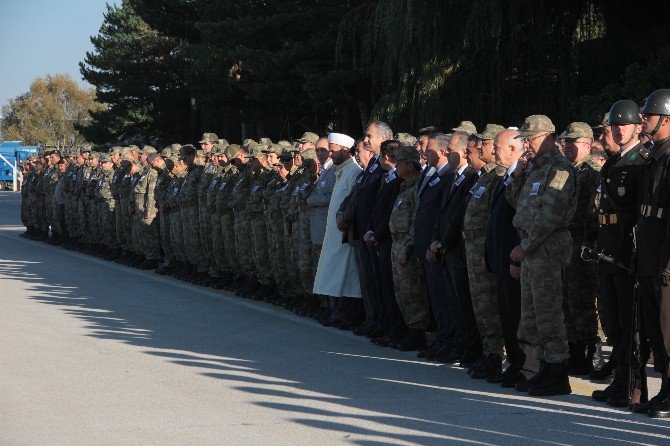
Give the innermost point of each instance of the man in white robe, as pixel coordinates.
(337, 274)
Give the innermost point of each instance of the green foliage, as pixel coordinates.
(171, 69)
(50, 112)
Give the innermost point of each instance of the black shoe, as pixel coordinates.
(148, 264)
(554, 381)
(454, 356)
(469, 358)
(489, 366)
(617, 390)
(414, 340)
(660, 409)
(509, 378)
(523, 386)
(365, 328)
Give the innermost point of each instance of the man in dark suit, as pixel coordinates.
(364, 196)
(501, 238)
(437, 176)
(378, 239)
(448, 243)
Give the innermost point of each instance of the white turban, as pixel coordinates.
(341, 139)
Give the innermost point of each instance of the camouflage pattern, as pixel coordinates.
(259, 236)
(545, 199)
(242, 220)
(189, 209)
(225, 256)
(483, 284)
(106, 208)
(210, 171)
(408, 279)
(161, 195)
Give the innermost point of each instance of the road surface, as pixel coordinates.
(93, 352)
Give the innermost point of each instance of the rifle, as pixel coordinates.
(637, 375)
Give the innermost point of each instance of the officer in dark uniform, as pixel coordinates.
(618, 210)
(653, 242)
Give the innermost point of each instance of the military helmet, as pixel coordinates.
(625, 112)
(658, 103)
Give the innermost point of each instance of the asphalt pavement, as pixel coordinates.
(93, 352)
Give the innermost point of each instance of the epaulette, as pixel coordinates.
(644, 152)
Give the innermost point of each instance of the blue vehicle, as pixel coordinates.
(12, 153)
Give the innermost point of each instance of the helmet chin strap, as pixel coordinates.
(658, 125)
(632, 135)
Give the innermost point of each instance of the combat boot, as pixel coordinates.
(554, 381)
(148, 264)
(605, 372)
(659, 406)
(414, 340)
(581, 358)
(489, 366)
(524, 386)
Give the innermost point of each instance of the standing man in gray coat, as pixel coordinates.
(318, 203)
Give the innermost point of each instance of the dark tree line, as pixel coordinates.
(171, 69)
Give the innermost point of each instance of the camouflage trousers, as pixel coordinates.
(542, 298)
(580, 285)
(191, 221)
(106, 211)
(136, 229)
(166, 241)
(205, 226)
(277, 251)
(177, 236)
(59, 218)
(259, 240)
(484, 292)
(306, 251)
(243, 242)
(84, 220)
(291, 244)
(25, 218)
(50, 211)
(409, 285)
(150, 237)
(70, 221)
(38, 214)
(94, 222)
(219, 264)
(118, 226)
(233, 261)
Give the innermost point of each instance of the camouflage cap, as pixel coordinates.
(406, 153)
(309, 154)
(288, 154)
(274, 148)
(209, 137)
(309, 137)
(405, 139)
(105, 158)
(466, 126)
(605, 123)
(232, 150)
(577, 130)
(175, 147)
(125, 152)
(31, 158)
(284, 143)
(152, 157)
(265, 141)
(146, 150)
(256, 151)
(199, 153)
(167, 152)
(490, 132)
(247, 142)
(224, 143)
(116, 150)
(85, 149)
(94, 155)
(535, 124)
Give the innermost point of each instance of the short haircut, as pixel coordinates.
(383, 129)
(598, 152)
(441, 140)
(389, 147)
(427, 131)
(461, 139)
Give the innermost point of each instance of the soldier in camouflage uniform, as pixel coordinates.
(223, 229)
(294, 293)
(408, 277)
(49, 182)
(215, 235)
(28, 173)
(262, 174)
(211, 169)
(581, 278)
(483, 284)
(164, 167)
(106, 203)
(182, 267)
(146, 212)
(545, 198)
(189, 208)
(130, 231)
(242, 224)
(95, 232)
(83, 175)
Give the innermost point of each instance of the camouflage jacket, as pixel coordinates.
(477, 211)
(188, 193)
(545, 198)
(585, 219)
(402, 217)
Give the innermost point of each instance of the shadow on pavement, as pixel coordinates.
(357, 389)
